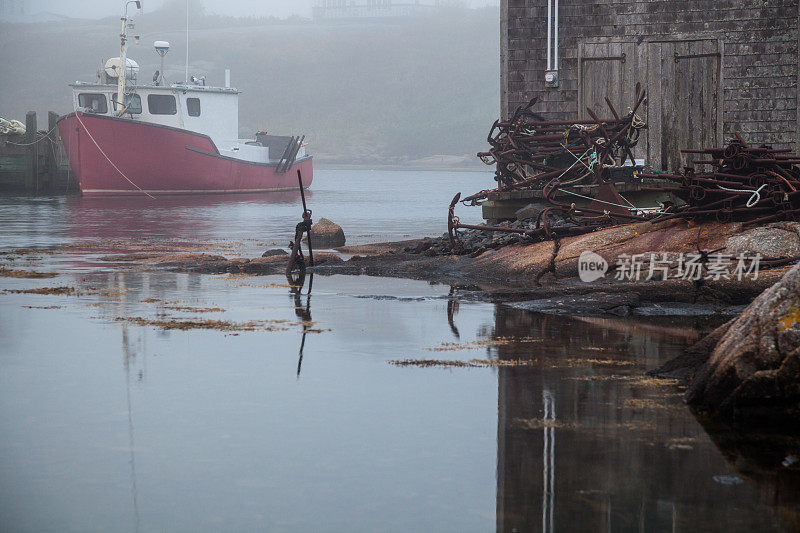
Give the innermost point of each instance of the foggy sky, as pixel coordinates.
(237, 8)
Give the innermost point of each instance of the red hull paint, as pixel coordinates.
(161, 159)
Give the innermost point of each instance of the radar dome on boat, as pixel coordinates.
(162, 47)
(113, 66)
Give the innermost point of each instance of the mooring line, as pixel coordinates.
(45, 136)
(77, 115)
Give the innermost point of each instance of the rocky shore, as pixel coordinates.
(748, 370)
(550, 269)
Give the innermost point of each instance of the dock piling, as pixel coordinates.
(32, 153)
(51, 155)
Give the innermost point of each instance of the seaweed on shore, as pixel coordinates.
(221, 325)
(609, 362)
(476, 345)
(541, 423)
(46, 290)
(169, 323)
(189, 309)
(28, 251)
(29, 274)
(637, 381)
(472, 363)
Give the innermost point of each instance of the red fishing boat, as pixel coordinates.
(127, 138)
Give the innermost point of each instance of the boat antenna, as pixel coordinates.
(123, 55)
(187, 42)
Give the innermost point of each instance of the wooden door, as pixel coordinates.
(685, 99)
(611, 69)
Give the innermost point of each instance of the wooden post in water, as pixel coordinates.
(51, 154)
(32, 163)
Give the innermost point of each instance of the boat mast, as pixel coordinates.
(187, 42)
(123, 56)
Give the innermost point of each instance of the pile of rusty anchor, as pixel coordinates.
(296, 268)
(542, 229)
(529, 151)
(753, 184)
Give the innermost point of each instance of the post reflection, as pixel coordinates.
(586, 443)
(452, 311)
(302, 312)
(128, 362)
(548, 460)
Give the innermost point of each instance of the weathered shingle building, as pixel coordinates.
(710, 67)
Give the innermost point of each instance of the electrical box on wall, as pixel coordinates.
(551, 78)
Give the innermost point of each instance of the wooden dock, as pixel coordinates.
(35, 163)
(503, 205)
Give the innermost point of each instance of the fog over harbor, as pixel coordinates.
(363, 91)
(238, 8)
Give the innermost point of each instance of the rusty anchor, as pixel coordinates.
(296, 268)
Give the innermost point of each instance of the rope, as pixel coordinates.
(46, 136)
(609, 203)
(628, 202)
(584, 127)
(577, 160)
(78, 116)
(636, 121)
(11, 127)
(754, 198)
(592, 160)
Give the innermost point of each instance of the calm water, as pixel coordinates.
(371, 206)
(110, 425)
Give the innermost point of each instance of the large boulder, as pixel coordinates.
(673, 236)
(326, 234)
(781, 239)
(753, 373)
(529, 262)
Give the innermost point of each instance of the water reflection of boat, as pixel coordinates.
(191, 202)
(129, 138)
(187, 217)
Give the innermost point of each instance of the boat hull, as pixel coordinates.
(117, 156)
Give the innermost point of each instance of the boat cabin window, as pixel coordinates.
(133, 103)
(161, 104)
(193, 107)
(93, 102)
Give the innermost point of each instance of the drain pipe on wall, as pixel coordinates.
(551, 74)
(549, 35)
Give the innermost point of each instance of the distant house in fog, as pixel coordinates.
(13, 7)
(328, 10)
(19, 11)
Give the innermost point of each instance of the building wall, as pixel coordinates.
(742, 68)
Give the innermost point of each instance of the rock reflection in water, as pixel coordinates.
(770, 461)
(589, 445)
